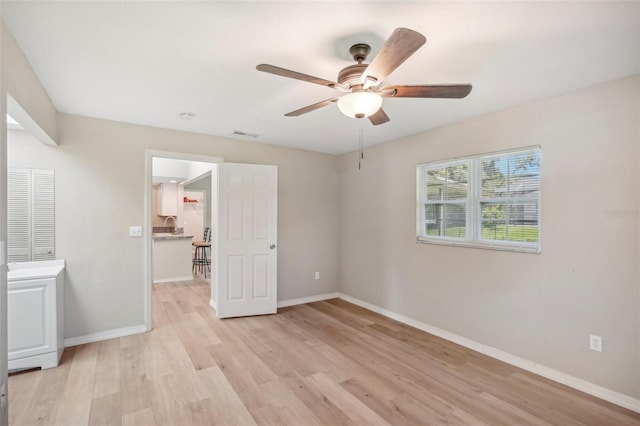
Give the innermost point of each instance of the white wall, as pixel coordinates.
(100, 186)
(539, 307)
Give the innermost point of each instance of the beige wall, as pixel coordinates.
(540, 307)
(99, 168)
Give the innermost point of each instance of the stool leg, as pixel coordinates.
(204, 258)
(208, 263)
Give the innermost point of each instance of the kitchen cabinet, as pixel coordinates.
(168, 199)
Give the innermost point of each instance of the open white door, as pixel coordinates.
(247, 240)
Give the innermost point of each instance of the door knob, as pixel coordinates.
(272, 246)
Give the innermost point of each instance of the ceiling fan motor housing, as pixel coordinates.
(350, 76)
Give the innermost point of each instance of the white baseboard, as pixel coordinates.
(104, 335)
(308, 299)
(609, 395)
(173, 279)
(213, 304)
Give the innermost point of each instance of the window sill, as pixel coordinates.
(480, 245)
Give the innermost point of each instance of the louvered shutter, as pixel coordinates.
(43, 219)
(18, 215)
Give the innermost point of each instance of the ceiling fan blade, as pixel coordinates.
(272, 69)
(311, 108)
(402, 44)
(456, 91)
(380, 117)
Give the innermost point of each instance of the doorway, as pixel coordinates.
(169, 212)
(244, 234)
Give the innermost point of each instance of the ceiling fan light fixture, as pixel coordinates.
(360, 104)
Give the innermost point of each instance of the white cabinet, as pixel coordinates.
(35, 297)
(168, 199)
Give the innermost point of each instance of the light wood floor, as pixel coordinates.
(329, 363)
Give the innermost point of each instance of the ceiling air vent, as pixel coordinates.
(241, 133)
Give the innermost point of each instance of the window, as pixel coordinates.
(488, 201)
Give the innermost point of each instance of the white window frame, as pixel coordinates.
(473, 218)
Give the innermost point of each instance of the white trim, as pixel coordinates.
(173, 279)
(449, 241)
(44, 361)
(308, 299)
(213, 304)
(105, 335)
(609, 395)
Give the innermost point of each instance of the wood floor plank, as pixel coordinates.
(349, 404)
(226, 405)
(106, 411)
(75, 404)
(324, 363)
(21, 386)
(279, 395)
(107, 380)
(136, 396)
(321, 406)
(142, 417)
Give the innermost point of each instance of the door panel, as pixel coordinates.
(247, 255)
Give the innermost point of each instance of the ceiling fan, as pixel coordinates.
(361, 83)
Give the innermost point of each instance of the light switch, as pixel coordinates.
(135, 231)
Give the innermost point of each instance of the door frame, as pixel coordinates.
(148, 226)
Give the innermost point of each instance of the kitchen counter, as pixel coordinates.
(171, 258)
(166, 236)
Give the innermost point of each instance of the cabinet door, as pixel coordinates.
(31, 321)
(168, 199)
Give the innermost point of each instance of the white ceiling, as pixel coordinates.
(145, 62)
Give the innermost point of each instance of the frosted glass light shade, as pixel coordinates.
(360, 104)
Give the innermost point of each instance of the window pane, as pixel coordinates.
(495, 173)
(510, 221)
(524, 175)
(523, 222)
(435, 184)
(446, 220)
(493, 223)
(448, 183)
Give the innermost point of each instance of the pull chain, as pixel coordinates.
(361, 149)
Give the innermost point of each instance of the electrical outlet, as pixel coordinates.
(317, 275)
(595, 343)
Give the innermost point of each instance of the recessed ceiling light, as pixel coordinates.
(173, 181)
(187, 115)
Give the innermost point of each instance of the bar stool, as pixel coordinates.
(201, 261)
